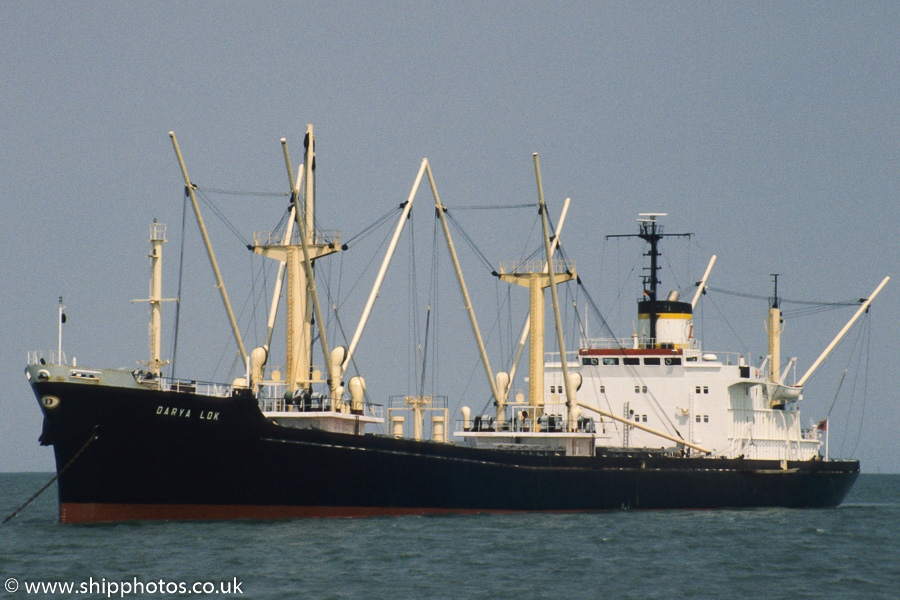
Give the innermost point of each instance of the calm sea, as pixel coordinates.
(848, 553)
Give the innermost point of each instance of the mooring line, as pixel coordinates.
(55, 477)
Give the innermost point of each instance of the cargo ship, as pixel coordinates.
(649, 422)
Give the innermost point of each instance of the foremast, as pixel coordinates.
(157, 239)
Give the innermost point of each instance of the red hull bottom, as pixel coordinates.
(72, 512)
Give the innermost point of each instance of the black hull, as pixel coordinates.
(146, 454)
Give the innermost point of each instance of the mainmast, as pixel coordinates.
(536, 276)
(526, 327)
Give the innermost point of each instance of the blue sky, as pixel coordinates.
(769, 130)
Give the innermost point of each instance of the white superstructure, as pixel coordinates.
(709, 399)
(662, 381)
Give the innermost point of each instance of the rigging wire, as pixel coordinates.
(672, 269)
(412, 315)
(375, 225)
(785, 300)
(470, 241)
(617, 301)
(496, 206)
(862, 414)
(863, 331)
(596, 310)
(495, 327)
(497, 323)
(244, 193)
(579, 326)
(257, 294)
(836, 394)
(204, 197)
(745, 347)
(180, 282)
(337, 294)
(340, 325)
(221, 215)
(227, 343)
(805, 312)
(500, 304)
(282, 222)
(363, 271)
(486, 262)
(434, 301)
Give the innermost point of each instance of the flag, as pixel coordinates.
(823, 425)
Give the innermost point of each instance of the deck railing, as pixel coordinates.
(545, 423)
(192, 386)
(39, 357)
(313, 404)
(276, 238)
